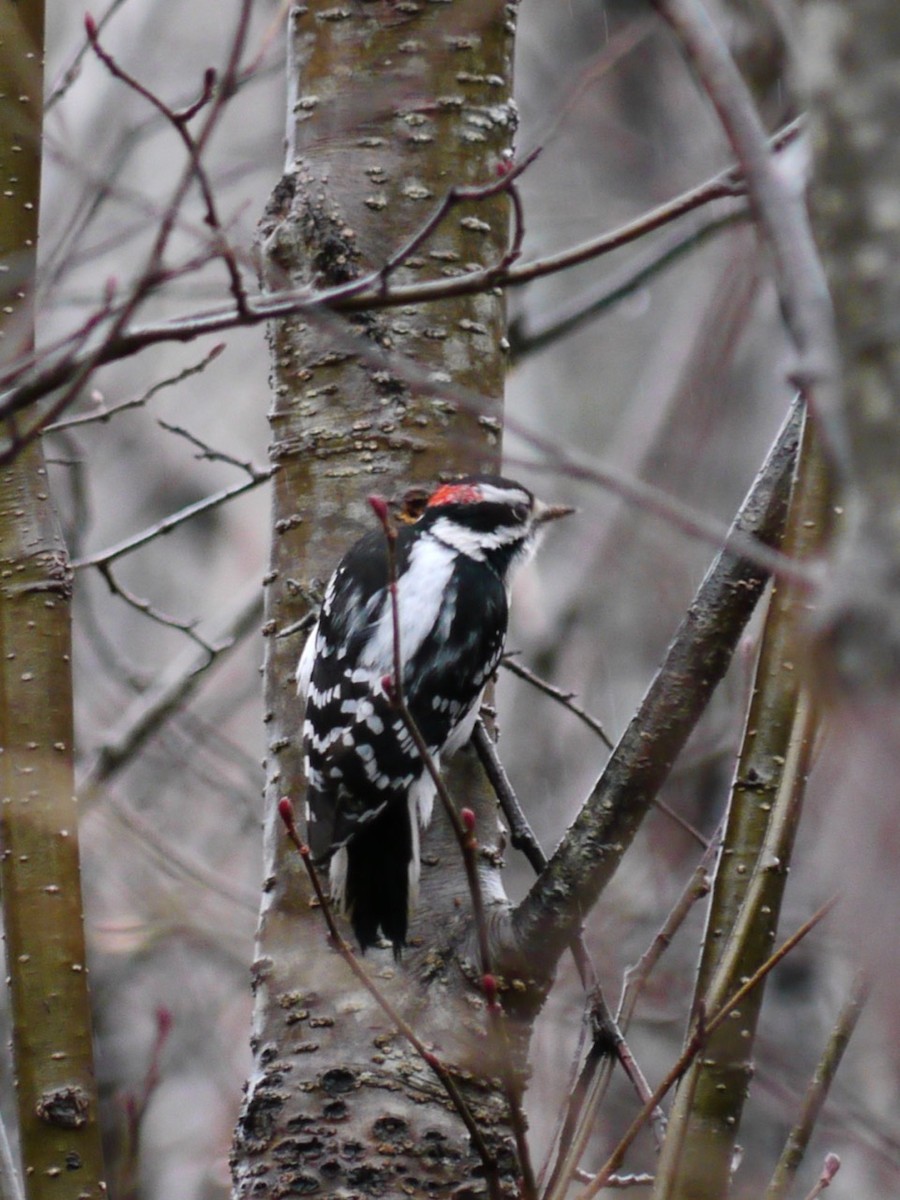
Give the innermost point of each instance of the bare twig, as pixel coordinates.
(179, 122)
(779, 205)
(581, 1114)
(81, 366)
(607, 1037)
(531, 334)
(817, 1092)
(170, 692)
(702, 1031)
(566, 699)
(636, 976)
(208, 454)
(104, 414)
(68, 364)
(459, 194)
(136, 1104)
(522, 835)
(105, 557)
(73, 70)
(149, 610)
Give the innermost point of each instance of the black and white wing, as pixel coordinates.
(366, 780)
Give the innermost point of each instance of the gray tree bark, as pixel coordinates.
(389, 105)
(850, 58)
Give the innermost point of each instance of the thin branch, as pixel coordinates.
(566, 699)
(104, 414)
(533, 334)
(81, 366)
(208, 454)
(697, 659)
(521, 834)
(362, 294)
(73, 70)
(607, 1037)
(817, 1092)
(457, 194)
(170, 692)
(702, 1031)
(789, 944)
(779, 204)
(105, 557)
(179, 122)
(636, 976)
(135, 1105)
(189, 627)
(579, 1121)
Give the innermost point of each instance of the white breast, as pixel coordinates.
(420, 594)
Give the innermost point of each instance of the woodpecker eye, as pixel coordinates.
(521, 512)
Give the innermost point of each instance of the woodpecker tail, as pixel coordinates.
(381, 861)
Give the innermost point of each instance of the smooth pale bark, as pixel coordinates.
(389, 105)
(39, 866)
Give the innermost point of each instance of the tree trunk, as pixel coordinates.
(851, 56)
(39, 866)
(390, 105)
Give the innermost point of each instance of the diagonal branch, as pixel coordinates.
(170, 693)
(817, 1092)
(30, 379)
(697, 659)
(779, 205)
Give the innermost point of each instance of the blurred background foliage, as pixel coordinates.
(681, 383)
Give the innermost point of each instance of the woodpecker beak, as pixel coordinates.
(550, 512)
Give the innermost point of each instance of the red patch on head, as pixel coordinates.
(455, 493)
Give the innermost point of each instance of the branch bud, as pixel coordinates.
(467, 817)
(831, 1166)
(379, 507)
(164, 1022)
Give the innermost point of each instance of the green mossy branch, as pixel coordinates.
(764, 809)
(39, 866)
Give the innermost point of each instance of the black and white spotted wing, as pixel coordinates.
(366, 781)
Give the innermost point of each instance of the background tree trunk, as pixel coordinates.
(39, 866)
(851, 51)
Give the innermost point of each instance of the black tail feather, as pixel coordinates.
(377, 887)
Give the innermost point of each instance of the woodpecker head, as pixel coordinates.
(490, 519)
